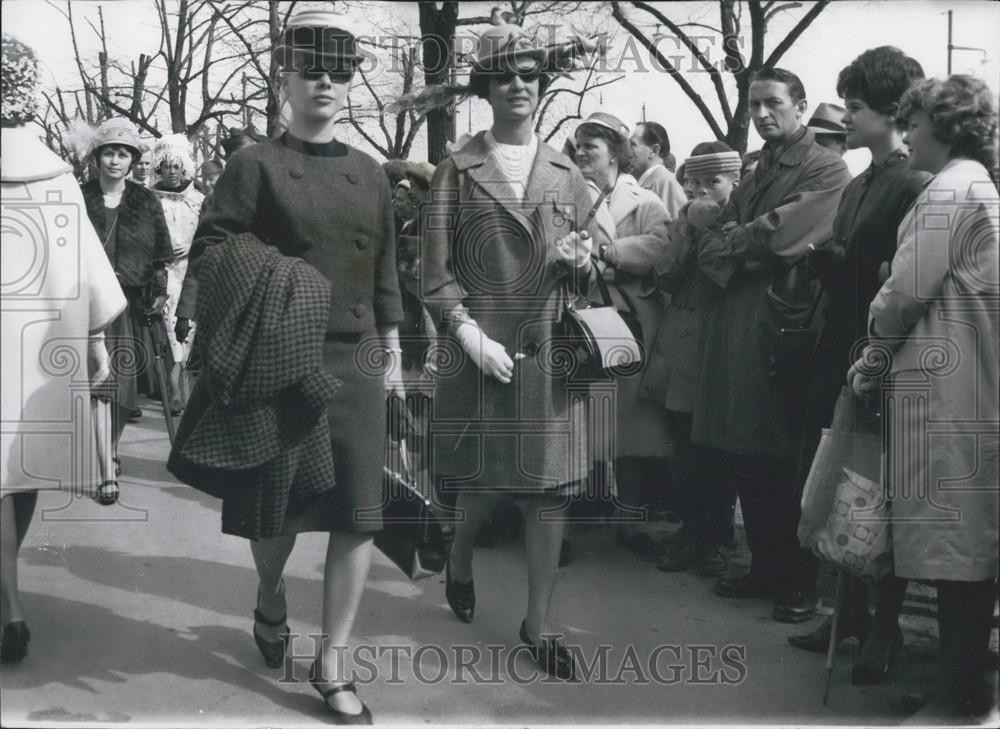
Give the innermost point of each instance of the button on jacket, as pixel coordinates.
(352, 244)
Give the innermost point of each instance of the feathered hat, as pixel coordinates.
(174, 148)
(500, 46)
(20, 79)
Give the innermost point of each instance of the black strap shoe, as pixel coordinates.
(272, 651)
(870, 669)
(327, 689)
(552, 657)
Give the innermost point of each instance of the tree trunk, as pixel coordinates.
(437, 30)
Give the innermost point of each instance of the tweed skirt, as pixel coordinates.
(357, 420)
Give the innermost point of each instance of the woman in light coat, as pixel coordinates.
(59, 294)
(934, 332)
(633, 228)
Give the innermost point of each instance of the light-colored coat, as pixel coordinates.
(938, 316)
(58, 288)
(638, 240)
(663, 183)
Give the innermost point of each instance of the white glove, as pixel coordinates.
(490, 356)
(575, 248)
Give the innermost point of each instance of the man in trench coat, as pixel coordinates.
(746, 407)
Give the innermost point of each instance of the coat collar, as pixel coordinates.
(26, 159)
(654, 173)
(793, 155)
(546, 174)
(624, 198)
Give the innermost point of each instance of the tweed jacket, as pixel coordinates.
(255, 430)
(144, 249)
(788, 203)
(327, 204)
(495, 253)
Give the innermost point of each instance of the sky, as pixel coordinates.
(840, 33)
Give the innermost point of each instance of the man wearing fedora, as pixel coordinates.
(749, 402)
(827, 123)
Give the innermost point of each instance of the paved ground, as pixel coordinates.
(147, 619)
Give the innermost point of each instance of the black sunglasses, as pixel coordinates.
(336, 75)
(527, 75)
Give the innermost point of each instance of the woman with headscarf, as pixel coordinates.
(59, 294)
(933, 343)
(181, 201)
(129, 220)
(313, 197)
(633, 224)
(498, 264)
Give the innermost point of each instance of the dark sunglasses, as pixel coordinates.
(527, 75)
(336, 75)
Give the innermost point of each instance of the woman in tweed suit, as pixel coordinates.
(505, 422)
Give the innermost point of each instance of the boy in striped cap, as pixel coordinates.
(711, 174)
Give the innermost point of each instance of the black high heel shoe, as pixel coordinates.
(326, 690)
(870, 673)
(272, 651)
(461, 596)
(554, 658)
(14, 643)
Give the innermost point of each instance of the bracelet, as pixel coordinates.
(399, 350)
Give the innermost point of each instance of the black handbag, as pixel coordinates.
(605, 341)
(414, 534)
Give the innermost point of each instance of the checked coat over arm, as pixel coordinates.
(495, 254)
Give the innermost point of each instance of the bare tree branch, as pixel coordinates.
(794, 33)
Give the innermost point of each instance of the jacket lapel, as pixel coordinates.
(624, 198)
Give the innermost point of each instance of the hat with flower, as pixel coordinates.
(20, 77)
(174, 148)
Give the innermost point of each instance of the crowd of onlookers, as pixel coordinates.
(763, 284)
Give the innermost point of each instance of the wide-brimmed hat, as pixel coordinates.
(827, 119)
(608, 121)
(117, 130)
(317, 38)
(503, 46)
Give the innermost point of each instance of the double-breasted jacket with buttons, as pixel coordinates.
(327, 204)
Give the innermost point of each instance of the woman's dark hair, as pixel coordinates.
(654, 133)
(134, 154)
(963, 115)
(710, 148)
(618, 146)
(879, 77)
(795, 88)
(479, 82)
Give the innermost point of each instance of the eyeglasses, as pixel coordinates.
(336, 75)
(527, 75)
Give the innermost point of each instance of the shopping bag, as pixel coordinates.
(857, 534)
(845, 516)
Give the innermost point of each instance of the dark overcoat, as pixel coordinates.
(788, 203)
(495, 254)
